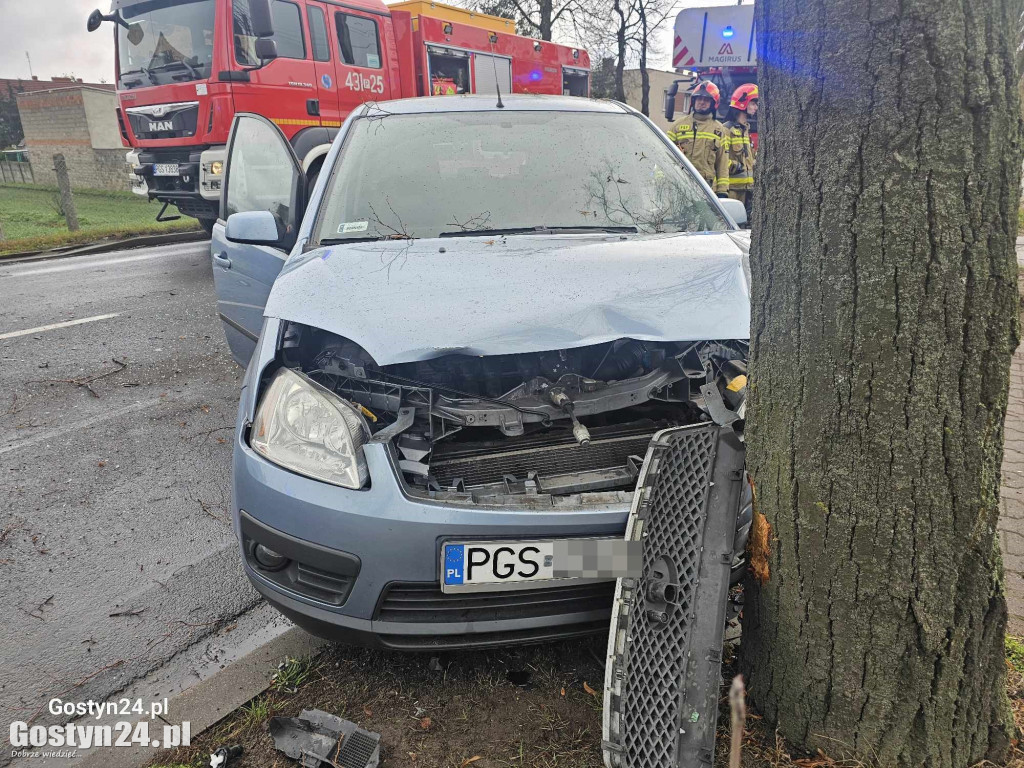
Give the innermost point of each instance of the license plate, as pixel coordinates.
(165, 169)
(484, 566)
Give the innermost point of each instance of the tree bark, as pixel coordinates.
(620, 51)
(884, 317)
(645, 77)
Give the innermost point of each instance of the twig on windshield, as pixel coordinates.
(480, 221)
(392, 233)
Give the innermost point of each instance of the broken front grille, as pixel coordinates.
(608, 450)
(662, 680)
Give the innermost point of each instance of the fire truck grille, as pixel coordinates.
(164, 121)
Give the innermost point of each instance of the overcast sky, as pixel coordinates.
(53, 33)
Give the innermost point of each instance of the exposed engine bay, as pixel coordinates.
(557, 428)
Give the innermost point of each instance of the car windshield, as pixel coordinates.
(515, 172)
(165, 41)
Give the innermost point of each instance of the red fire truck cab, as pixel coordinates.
(184, 67)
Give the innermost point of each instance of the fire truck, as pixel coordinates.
(718, 43)
(184, 67)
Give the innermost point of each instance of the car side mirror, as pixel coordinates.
(254, 228)
(670, 101)
(261, 18)
(735, 208)
(95, 19)
(135, 33)
(266, 49)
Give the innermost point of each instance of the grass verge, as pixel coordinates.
(535, 706)
(31, 218)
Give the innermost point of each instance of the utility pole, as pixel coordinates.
(28, 58)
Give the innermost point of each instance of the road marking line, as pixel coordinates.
(58, 431)
(54, 326)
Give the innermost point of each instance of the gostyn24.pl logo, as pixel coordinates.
(119, 734)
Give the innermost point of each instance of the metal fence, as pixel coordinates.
(16, 172)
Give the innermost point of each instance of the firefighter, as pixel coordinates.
(703, 139)
(742, 107)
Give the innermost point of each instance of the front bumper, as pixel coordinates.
(369, 568)
(195, 181)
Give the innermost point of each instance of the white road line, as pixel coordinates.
(54, 326)
(58, 431)
(163, 253)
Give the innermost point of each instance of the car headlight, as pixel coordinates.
(310, 430)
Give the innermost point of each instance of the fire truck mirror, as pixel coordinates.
(261, 19)
(95, 19)
(670, 101)
(266, 49)
(135, 33)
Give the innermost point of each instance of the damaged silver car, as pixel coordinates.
(459, 344)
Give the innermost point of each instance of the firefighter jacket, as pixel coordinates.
(705, 142)
(741, 156)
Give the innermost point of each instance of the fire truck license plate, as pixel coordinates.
(165, 169)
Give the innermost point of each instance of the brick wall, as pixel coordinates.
(57, 121)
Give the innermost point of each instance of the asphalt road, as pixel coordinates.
(116, 551)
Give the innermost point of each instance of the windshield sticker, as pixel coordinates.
(353, 226)
(373, 60)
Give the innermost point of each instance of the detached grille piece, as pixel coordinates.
(665, 641)
(426, 603)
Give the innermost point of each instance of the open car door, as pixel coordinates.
(262, 174)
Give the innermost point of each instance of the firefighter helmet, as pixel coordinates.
(706, 88)
(742, 96)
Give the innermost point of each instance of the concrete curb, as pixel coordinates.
(104, 246)
(206, 703)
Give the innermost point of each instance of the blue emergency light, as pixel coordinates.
(728, 32)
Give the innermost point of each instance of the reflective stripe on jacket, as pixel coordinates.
(741, 156)
(705, 142)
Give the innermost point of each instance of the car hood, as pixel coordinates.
(404, 301)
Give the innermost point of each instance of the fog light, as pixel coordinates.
(268, 558)
(216, 167)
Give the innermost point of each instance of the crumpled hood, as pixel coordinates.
(404, 301)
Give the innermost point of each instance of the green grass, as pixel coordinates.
(1015, 652)
(31, 219)
(291, 673)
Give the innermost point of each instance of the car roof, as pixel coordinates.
(518, 102)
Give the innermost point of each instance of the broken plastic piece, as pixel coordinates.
(316, 737)
(221, 755)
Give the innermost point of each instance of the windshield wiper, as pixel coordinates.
(181, 63)
(365, 239)
(541, 230)
(141, 70)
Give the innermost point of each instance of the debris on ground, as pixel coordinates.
(221, 756)
(316, 737)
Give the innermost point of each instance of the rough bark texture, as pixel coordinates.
(884, 318)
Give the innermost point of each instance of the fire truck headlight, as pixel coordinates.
(216, 167)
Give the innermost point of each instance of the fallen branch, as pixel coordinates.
(84, 381)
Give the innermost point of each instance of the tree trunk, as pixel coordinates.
(620, 51)
(884, 316)
(546, 9)
(645, 77)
